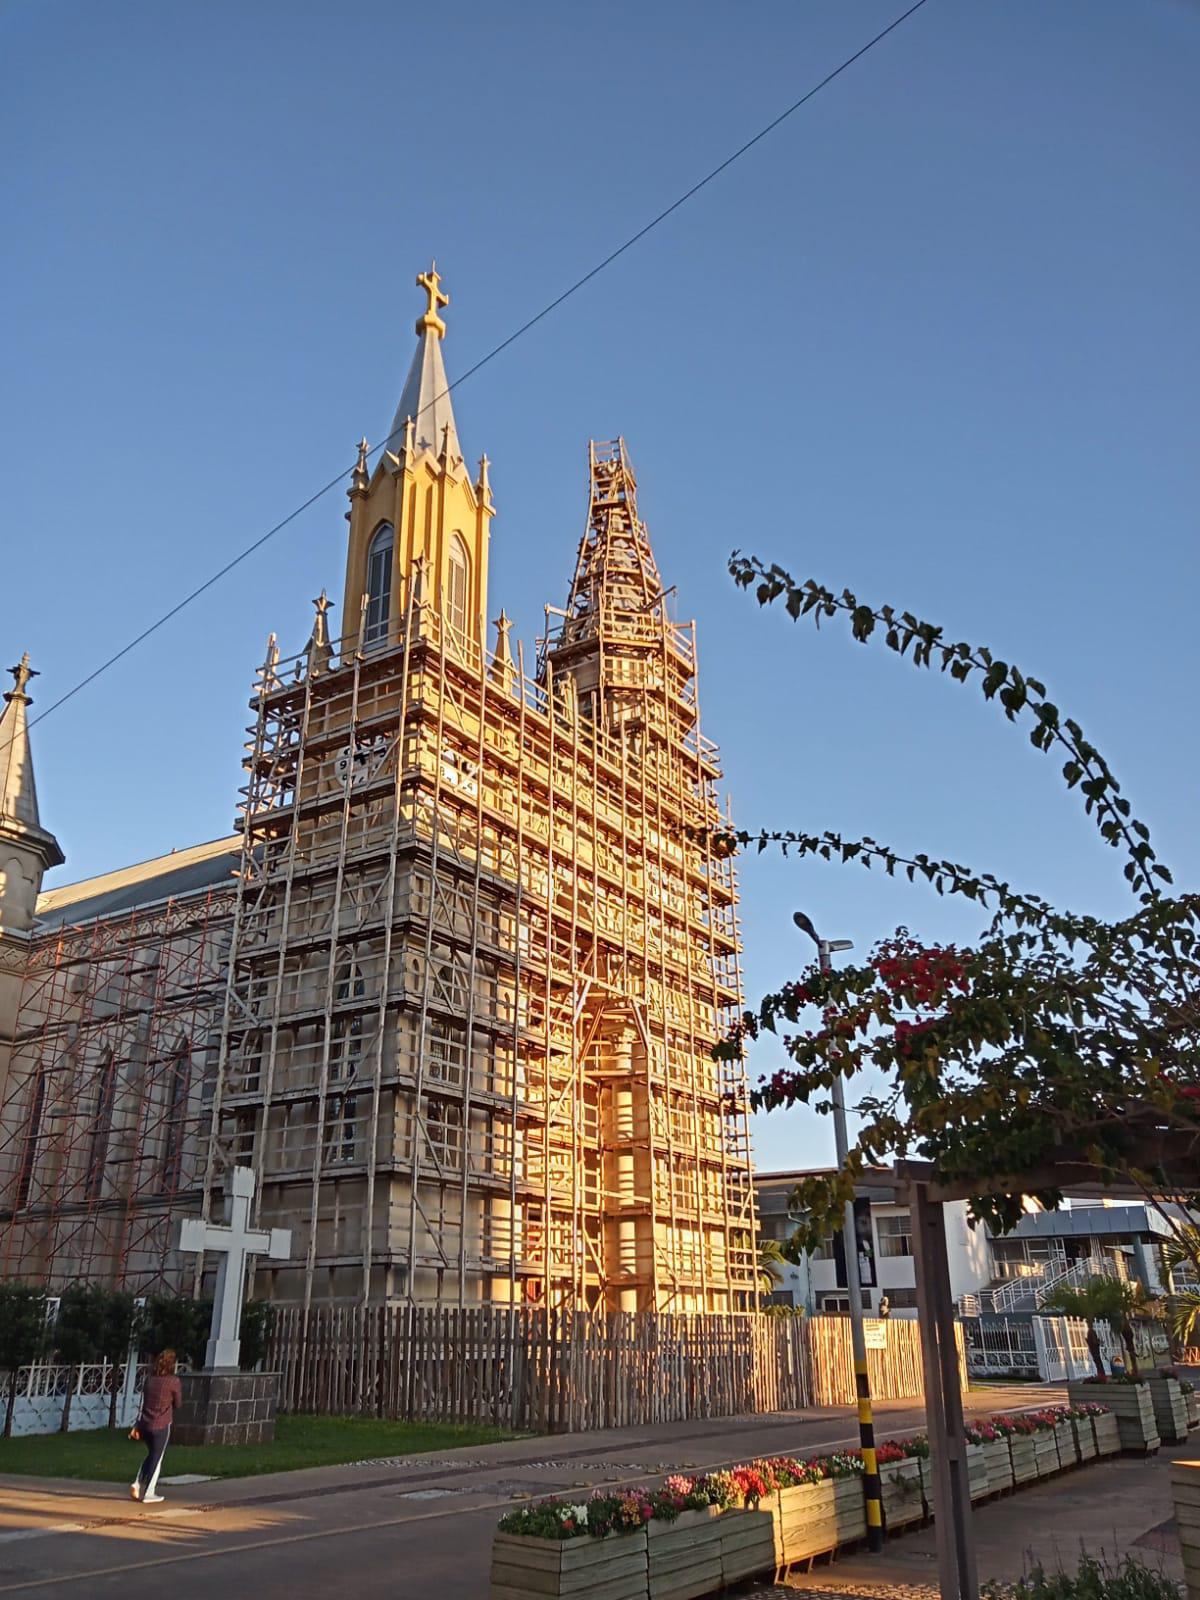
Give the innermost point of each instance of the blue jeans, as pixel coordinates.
(155, 1440)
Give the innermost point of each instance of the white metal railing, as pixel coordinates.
(42, 1392)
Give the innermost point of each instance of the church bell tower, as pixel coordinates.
(417, 517)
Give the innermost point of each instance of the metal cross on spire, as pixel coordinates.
(431, 283)
(22, 673)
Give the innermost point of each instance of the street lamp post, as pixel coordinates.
(826, 948)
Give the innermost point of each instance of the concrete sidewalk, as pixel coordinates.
(416, 1525)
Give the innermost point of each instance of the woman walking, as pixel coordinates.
(162, 1394)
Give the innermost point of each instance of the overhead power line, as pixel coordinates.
(504, 344)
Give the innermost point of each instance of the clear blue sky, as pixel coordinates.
(935, 339)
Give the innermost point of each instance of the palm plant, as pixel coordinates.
(1183, 1305)
(771, 1264)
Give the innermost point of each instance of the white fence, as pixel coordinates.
(1046, 1349)
(42, 1394)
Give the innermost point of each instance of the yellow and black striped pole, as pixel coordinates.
(866, 1432)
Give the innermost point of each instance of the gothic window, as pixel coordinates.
(340, 1127)
(29, 1147)
(379, 584)
(458, 587)
(101, 1126)
(346, 1042)
(444, 1130)
(179, 1074)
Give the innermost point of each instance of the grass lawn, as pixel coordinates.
(109, 1456)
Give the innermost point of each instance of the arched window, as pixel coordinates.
(458, 586)
(379, 583)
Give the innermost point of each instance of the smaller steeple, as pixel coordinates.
(360, 478)
(483, 485)
(26, 848)
(318, 649)
(503, 669)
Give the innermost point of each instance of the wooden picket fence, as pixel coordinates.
(550, 1371)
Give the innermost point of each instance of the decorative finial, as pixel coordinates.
(483, 486)
(503, 669)
(444, 455)
(410, 437)
(22, 673)
(430, 281)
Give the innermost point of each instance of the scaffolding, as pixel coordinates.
(457, 1010)
(105, 1110)
(478, 961)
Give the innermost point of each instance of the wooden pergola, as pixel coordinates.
(1152, 1147)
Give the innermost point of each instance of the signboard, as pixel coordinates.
(866, 1247)
(875, 1335)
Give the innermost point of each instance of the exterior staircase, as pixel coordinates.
(1030, 1291)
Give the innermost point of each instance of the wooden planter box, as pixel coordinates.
(1108, 1435)
(1170, 1413)
(900, 1486)
(815, 1518)
(1068, 1450)
(684, 1557)
(1133, 1407)
(1185, 1490)
(1191, 1407)
(747, 1541)
(977, 1472)
(1024, 1460)
(1085, 1438)
(614, 1567)
(999, 1466)
(1045, 1452)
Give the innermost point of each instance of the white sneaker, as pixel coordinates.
(135, 1489)
(152, 1499)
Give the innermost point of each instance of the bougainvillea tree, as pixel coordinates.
(1054, 1037)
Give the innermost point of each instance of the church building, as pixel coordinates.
(449, 989)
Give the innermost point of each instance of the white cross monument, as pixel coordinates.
(235, 1241)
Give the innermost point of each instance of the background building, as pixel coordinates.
(1014, 1273)
(451, 989)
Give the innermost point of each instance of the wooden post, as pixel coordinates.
(957, 1575)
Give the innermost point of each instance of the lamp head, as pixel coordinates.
(804, 923)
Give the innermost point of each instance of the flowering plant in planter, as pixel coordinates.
(619, 1513)
(552, 1519)
(689, 1493)
(916, 1444)
(842, 1464)
(1116, 1377)
(890, 1450)
(719, 1489)
(786, 1472)
(752, 1484)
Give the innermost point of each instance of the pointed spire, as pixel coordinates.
(18, 793)
(268, 676)
(483, 485)
(22, 837)
(360, 478)
(503, 669)
(425, 397)
(319, 650)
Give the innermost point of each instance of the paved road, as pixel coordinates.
(411, 1527)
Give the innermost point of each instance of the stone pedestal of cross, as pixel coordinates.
(235, 1240)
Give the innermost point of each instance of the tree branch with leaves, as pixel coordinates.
(1054, 1032)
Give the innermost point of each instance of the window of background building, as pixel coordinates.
(894, 1234)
